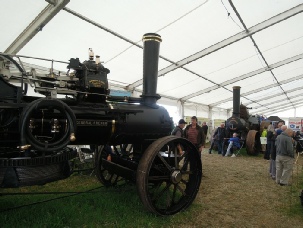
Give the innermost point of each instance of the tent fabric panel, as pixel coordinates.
(17, 15)
(228, 63)
(179, 83)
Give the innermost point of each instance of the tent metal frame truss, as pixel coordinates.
(284, 95)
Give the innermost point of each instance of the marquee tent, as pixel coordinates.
(208, 47)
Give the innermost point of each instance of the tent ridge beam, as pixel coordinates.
(36, 25)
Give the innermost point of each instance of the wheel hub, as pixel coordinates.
(176, 176)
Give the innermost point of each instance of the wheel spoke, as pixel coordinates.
(177, 200)
(189, 172)
(176, 155)
(157, 196)
(164, 162)
(185, 166)
(168, 200)
(183, 155)
(181, 190)
(154, 187)
(174, 193)
(158, 178)
(184, 181)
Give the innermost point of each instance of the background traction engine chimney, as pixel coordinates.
(236, 101)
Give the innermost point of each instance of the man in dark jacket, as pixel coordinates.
(178, 130)
(219, 136)
(194, 133)
(205, 130)
(285, 157)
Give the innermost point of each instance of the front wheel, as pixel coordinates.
(169, 175)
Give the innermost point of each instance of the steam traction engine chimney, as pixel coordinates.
(236, 101)
(151, 47)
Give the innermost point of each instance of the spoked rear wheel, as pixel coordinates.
(168, 178)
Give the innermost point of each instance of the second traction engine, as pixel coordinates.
(245, 125)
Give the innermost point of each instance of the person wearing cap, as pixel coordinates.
(194, 133)
(178, 130)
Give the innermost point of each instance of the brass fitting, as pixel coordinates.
(24, 147)
(72, 137)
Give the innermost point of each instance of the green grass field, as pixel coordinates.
(97, 206)
(101, 207)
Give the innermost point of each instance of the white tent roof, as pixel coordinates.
(208, 46)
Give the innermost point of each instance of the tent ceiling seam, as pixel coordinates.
(260, 89)
(256, 46)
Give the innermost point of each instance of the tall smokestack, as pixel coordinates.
(236, 101)
(151, 47)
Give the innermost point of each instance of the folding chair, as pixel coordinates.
(237, 150)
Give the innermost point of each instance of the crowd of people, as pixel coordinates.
(282, 143)
(279, 149)
(193, 132)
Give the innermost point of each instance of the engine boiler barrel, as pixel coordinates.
(151, 124)
(144, 123)
(151, 47)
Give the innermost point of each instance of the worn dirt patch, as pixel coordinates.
(238, 192)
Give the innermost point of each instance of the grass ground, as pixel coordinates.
(235, 192)
(238, 192)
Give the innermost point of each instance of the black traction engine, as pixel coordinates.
(129, 136)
